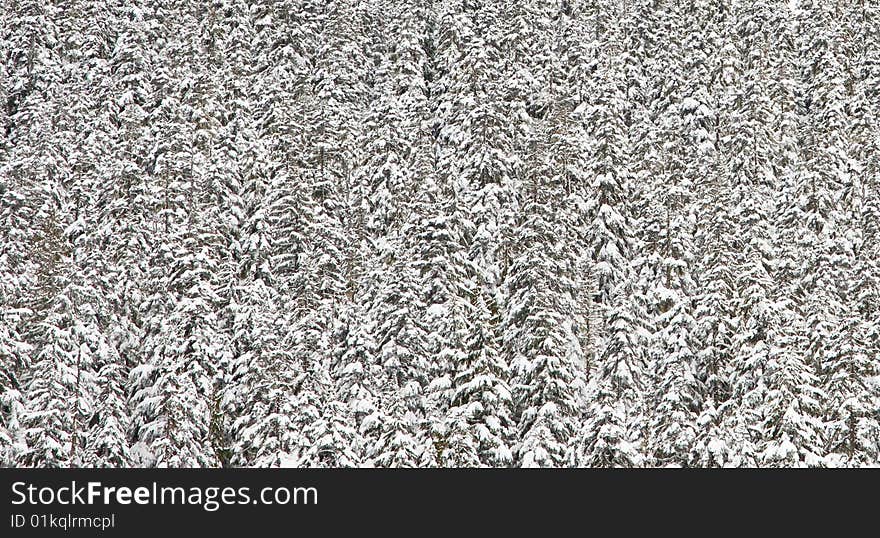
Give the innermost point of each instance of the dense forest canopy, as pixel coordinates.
(439, 233)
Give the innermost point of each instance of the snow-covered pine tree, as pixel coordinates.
(402, 352)
(793, 430)
(60, 388)
(480, 426)
(613, 433)
(15, 354)
(546, 360)
(677, 398)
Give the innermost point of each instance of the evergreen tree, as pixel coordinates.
(480, 425)
(545, 356)
(613, 434)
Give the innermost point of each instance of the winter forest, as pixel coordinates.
(460, 233)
